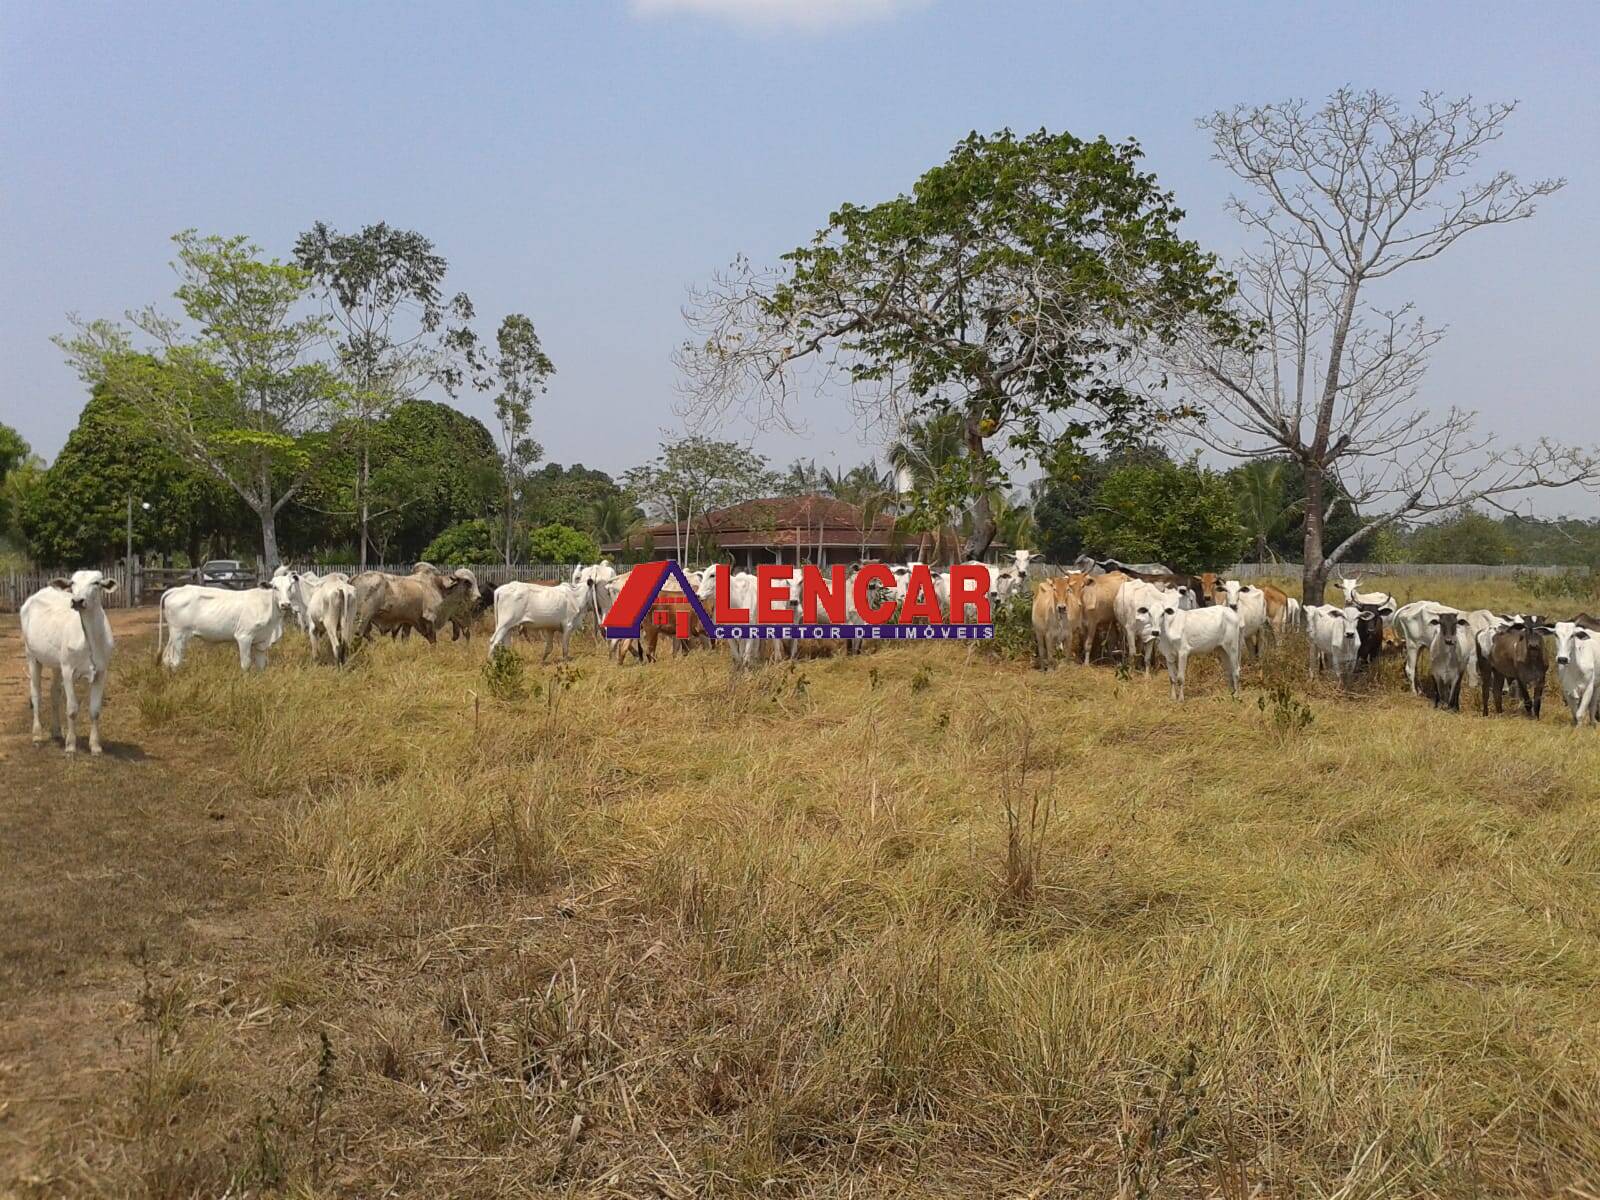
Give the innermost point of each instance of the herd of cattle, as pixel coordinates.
(1094, 609)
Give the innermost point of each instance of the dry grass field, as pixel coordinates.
(921, 923)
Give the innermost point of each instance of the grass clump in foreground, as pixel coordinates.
(933, 924)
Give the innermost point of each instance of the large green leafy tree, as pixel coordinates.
(1069, 492)
(1013, 289)
(577, 496)
(1180, 515)
(695, 475)
(518, 372)
(1468, 537)
(79, 514)
(15, 455)
(432, 466)
(234, 388)
(395, 333)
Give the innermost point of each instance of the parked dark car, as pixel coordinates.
(227, 573)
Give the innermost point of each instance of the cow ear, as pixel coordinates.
(1435, 621)
(1245, 588)
(61, 584)
(108, 585)
(1168, 611)
(264, 583)
(1144, 611)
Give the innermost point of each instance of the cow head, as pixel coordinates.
(87, 589)
(1232, 590)
(1449, 625)
(1569, 636)
(1021, 558)
(1347, 588)
(286, 590)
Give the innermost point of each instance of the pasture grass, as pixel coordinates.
(924, 922)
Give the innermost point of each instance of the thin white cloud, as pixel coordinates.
(808, 15)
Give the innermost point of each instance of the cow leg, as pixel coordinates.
(1455, 695)
(97, 699)
(1311, 660)
(246, 644)
(1230, 663)
(70, 694)
(1175, 668)
(549, 641)
(1413, 652)
(34, 670)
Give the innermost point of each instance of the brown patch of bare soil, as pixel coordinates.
(119, 876)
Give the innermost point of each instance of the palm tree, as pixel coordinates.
(615, 518)
(802, 478)
(1262, 490)
(921, 453)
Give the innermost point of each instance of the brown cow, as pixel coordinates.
(1051, 629)
(1516, 655)
(1091, 610)
(1209, 582)
(393, 602)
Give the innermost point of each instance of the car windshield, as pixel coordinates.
(221, 564)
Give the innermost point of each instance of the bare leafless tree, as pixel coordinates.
(1347, 194)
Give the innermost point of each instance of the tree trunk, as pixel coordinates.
(269, 538)
(361, 499)
(1314, 570)
(983, 521)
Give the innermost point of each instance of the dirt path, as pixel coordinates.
(148, 846)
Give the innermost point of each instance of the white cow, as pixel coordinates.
(1135, 605)
(331, 613)
(603, 575)
(1182, 632)
(1347, 588)
(1334, 635)
(554, 609)
(1251, 605)
(251, 619)
(293, 597)
(65, 631)
(1577, 670)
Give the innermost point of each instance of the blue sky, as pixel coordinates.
(585, 162)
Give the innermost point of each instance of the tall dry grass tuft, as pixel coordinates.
(931, 922)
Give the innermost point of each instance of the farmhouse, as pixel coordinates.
(788, 529)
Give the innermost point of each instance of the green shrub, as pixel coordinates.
(463, 542)
(561, 544)
(1575, 583)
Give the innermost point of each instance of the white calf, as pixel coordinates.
(1136, 604)
(251, 619)
(1251, 605)
(1334, 635)
(293, 597)
(65, 631)
(1578, 670)
(1182, 632)
(553, 609)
